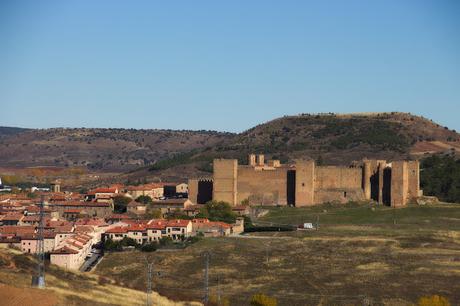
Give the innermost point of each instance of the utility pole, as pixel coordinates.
(39, 280)
(218, 290)
(394, 215)
(206, 278)
(267, 252)
(148, 300)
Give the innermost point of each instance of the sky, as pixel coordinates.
(224, 65)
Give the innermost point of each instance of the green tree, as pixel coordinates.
(440, 177)
(144, 199)
(218, 211)
(153, 213)
(120, 203)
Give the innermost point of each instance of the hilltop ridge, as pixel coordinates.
(328, 138)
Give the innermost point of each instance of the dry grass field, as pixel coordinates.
(358, 256)
(62, 288)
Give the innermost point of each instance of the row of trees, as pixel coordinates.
(440, 177)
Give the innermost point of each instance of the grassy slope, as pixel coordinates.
(357, 254)
(62, 288)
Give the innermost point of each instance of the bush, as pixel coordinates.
(110, 245)
(149, 247)
(263, 300)
(434, 300)
(166, 241)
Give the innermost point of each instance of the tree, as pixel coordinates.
(263, 300)
(440, 177)
(153, 213)
(120, 203)
(434, 300)
(144, 199)
(218, 211)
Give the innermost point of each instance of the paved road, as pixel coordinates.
(90, 262)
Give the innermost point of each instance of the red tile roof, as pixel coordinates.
(17, 230)
(64, 250)
(117, 230)
(177, 223)
(12, 217)
(102, 190)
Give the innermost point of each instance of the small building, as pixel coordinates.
(12, 219)
(211, 228)
(136, 208)
(71, 253)
(29, 243)
(171, 205)
(178, 229)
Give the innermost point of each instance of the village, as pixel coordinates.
(75, 226)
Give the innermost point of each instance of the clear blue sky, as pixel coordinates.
(224, 65)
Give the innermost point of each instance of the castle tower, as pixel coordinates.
(252, 160)
(399, 183)
(261, 160)
(305, 183)
(225, 180)
(367, 179)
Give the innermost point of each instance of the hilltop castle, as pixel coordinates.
(304, 183)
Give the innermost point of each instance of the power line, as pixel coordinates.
(39, 279)
(206, 278)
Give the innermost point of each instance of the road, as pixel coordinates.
(90, 262)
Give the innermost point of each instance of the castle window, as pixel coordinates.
(344, 194)
(303, 184)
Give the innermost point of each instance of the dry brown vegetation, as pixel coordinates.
(333, 139)
(63, 287)
(353, 259)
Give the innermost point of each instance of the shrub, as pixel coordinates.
(144, 199)
(263, 300)
(166, 241)
(149, 247)
(434, 300)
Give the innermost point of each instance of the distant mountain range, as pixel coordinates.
(327, 138)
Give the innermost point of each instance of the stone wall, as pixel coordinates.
(261, 186)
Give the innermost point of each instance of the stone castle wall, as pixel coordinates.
(394, 183)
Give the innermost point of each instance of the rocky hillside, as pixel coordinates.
(97, 149)
(327, 138)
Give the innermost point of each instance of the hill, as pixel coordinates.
(63, 287)
(327, 138)
(97, 149)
